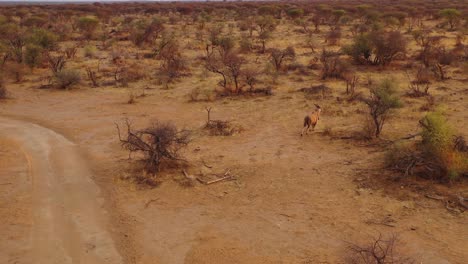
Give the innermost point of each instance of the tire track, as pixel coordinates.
(70, 224)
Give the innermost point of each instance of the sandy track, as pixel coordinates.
(69, 223)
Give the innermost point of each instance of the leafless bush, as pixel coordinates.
(333, 37)
(251, 77)
(378, 251)
(92, 76)
(351, 81)
(70, 52)
(332, 65)
(55, 62)
(219, 127)
(429, 105)
(443, 59)
(160, 143)
(420, 85)
(277, 56)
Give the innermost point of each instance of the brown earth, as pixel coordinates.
(294, 199)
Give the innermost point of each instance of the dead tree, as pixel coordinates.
(159, 143)
(56, 63)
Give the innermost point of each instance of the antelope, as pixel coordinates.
(311, 119)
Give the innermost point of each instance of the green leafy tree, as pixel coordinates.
(451, 15)
(294, 13)
(360, 50)
(13, 38)
(382, 100)
(377, 47)
(42, 38)
(88, 25)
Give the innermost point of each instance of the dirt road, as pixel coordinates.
(69, 224)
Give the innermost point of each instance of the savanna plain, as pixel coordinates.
(234, 132)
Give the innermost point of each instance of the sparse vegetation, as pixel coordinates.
(440, 155)
(377, 68)
(67, 78)
(378, 251)
(160, 144)
(382, 101)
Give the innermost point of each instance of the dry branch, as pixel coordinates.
(161, 142)
(226, 176)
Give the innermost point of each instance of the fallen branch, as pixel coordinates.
(411, 136)
(436, 197)
(225, 177)
(387, 221)
(453, 210)
(206, 165)
(461, 201)
(149, 202)
(188, 176)
(379, 223)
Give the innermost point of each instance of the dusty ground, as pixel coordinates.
(62, 209)
(295, 199)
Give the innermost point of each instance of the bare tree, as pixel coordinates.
(229, 67)
(278, 56)
(159, 143)
(56, 63)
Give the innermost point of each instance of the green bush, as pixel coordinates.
(89, 51)
(377, 47)
(67, 78)
(451, 15)
(440, 155)
(32, 55)
(439, 146)
(42, 38)
(360, 50)
(88, 25)
(295, 12)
